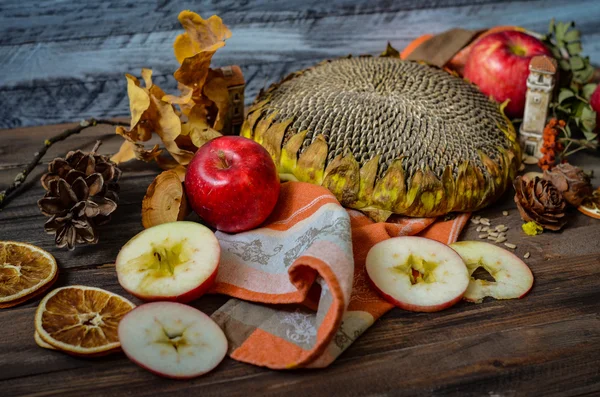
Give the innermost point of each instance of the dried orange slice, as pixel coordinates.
(591, 206)
(40, 342)
(81, 320)
(25, 271)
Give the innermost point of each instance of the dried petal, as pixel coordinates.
(571, 182)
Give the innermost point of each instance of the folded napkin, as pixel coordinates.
(300, 288)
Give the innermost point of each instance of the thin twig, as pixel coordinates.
(8, 194)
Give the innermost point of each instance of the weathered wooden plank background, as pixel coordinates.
(62, 61)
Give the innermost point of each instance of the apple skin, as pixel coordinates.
(499, 65)
(232, 183)
(418, 308)
(595, 104)
(186, 297)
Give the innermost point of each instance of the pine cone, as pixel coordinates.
(540, 201)
(79, 164)
(81, 195)
(571, 181)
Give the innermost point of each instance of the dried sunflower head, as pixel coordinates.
(387, 136)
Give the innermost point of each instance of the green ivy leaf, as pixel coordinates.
(584, 75)
(588, 119)
(574, 48)
(567, 131)
(565, 94)
(561, 29)
(572, 35)
(588, 90)
(564, 64)
(576, 63)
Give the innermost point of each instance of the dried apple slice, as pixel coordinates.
(25, 272)
(174, 261)
(513, 278)
(417, 274)
(81, 320)
(172, 340)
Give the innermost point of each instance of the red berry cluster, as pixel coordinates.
(551, 146)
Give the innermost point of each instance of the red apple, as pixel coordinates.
(417, 274)
(499, 65)
(174, 261)
(172, 340)
(595, 104)
(232, 183)
(512, 276)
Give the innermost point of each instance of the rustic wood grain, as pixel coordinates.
(507, 348)
(64, 61)
(75, 69)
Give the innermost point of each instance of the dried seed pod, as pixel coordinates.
(165, 200)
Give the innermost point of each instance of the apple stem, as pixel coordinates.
(223, 158)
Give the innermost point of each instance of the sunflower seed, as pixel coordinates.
(501, 239)
(485, 229)
(505, 213)
(485, 221)
(475, 221)
(478, 228)
(511, 246)
(484, 235)
(527, 254)
(493, 234)
(492, 238)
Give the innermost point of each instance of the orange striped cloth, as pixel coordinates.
(299, 286)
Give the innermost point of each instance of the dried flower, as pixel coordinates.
(571, 181)
(551, 145)
(540, 201)
(532, 228)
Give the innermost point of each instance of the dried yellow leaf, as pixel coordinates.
(126, 152)
(200, 35)
(197, 127)
(195, 48)
(216, 90)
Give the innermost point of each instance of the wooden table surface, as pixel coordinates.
(63, 61)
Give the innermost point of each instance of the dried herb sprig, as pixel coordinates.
(11, 191)
(572, 101)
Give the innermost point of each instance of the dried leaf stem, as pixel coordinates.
(9, 193)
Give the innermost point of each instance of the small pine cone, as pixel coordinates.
(75, 210)
(571, 181)
(540, 201)
(79, 164)
(81, 194)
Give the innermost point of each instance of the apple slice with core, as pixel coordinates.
(174, 261)
(513, 278)
(417, 274)
(172, 340)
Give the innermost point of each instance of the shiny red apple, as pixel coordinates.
(499, 65)
(232, 183)
(595, 104)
